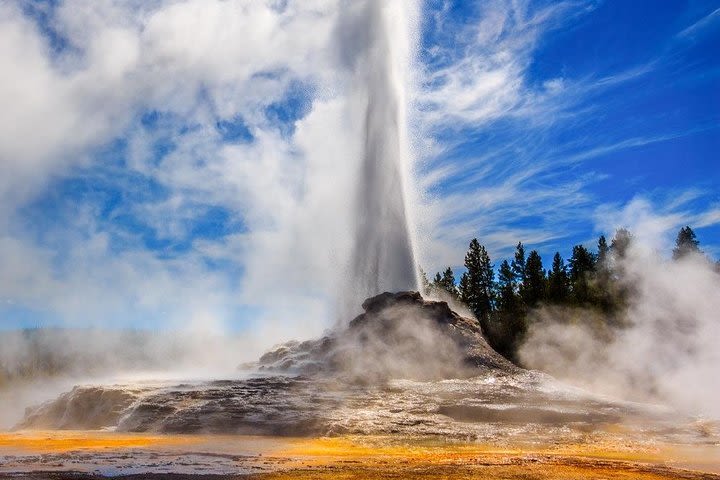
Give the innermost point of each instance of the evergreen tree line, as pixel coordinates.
(502, 299)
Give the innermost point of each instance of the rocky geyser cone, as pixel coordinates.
(399, 335)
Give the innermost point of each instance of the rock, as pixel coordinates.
(84, 408)
(399, 335)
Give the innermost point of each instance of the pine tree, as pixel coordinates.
(518, 264)
(558, 281)
(603, 250)
(606, 292)
(464, 287)
(533, 288)
(621, 242)
(509, 325)
(686, 243)
(478, 283)
(582, 265)
(506, 286)
(487, 281)
(437, 281)
(448, 281)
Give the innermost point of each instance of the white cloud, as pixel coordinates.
(195, 62)
(487, 80)
(667, 347)
(531, 138)
(123, 59)
(655, 221)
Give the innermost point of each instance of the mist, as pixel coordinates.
(37, 365)
(326, 207)
(665, 350)
(344, 203)
(376, 46)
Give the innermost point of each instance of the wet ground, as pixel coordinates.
(487, 407)
(333, 408)
(492, 407)
(494, 425)
(66, 455)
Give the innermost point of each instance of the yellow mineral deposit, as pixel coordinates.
(390, 457)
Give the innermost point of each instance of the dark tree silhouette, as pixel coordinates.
(588, 280)
(478, 282)
(686, 243)
(532, 289)
(508, 328)
(582, 265)
(447, 282)
(518, 263)
(621, 242)
(603, 250)
(507, 298)
(464, 288)
(558, 281)
(606, 293)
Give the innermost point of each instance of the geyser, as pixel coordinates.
(382, 252)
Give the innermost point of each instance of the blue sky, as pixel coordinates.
(634, 122)
(188, 163)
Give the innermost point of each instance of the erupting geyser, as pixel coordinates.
(382, 255)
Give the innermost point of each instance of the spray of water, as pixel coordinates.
(382, 255)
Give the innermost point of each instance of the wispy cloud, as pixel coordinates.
(123, 125)
(700, 25)
(479, 75)
(532, 174)
(655, 220)
(175, 172)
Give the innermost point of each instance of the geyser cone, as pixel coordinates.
(383, 257)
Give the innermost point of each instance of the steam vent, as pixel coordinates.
(419, 367)
(399, 335)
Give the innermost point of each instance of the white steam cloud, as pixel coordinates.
(376, 45)
(80, 74)
(668, 351)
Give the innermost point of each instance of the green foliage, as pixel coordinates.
(590, 280)
(686, 243)
(603, 250)
(582, 265)
(507, 298)
(445, 282)
(604, 291)
(518, 263)
(477, 288)
(533, 288)
(507, 327)
(448, 281)
(558, 282)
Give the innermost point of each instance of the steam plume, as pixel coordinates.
(382, 251)
(668, 351)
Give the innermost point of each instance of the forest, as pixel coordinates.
(504, 297)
